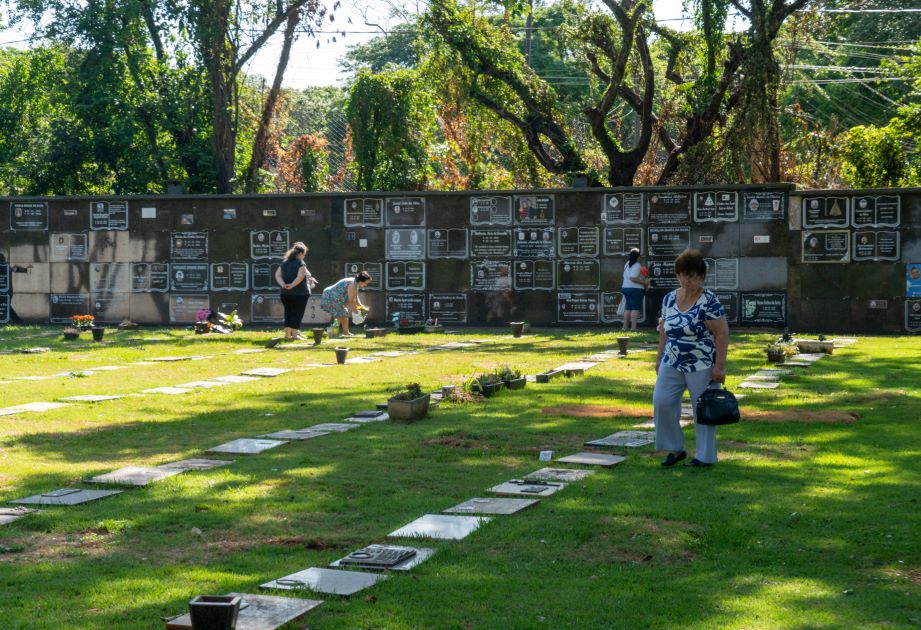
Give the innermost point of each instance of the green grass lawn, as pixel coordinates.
(800, 525)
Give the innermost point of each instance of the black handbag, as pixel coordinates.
(716, 407)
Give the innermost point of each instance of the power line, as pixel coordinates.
(869, 10)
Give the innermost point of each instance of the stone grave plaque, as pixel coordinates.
(827, 212)
(631, 439)
(722, 273)
(668, 207)
(332, 427)
(405, 244)
(578, 242)
(331, 581)
(448, 308)
(259, 612)
(405, 211)
(826, 246)
(411, 307)
(618, 241)
(764, 378)
(189, 277)
(716, 205)
(294, 435)
(592, 459)
(266, 372)
(66, 305)
(246, 446)
(371, 415)
(668, 240)
(170, 359)
(135, 475)
(266, 307)
(534, 275)
(533, 242)
(230, 276)
(183, 309)
(490, 275)
(197, 464)
(876, 245)
(109, 307)
(809, 357)
(773, 372)
(491, 210)
(730, 302)
(577, 366)
(4, 277)
(8, 515)
(264, 275)
(38, 406)
(764, 205)
(578, 274)
(622, 208)
(560, 474)
(67, 496)
(108, 215)
(68, 247)
(189, 246)
(29, 217)
(492, 506)
(528, 488)
(385, 558)
(490, 243)
(376, 270)
(4, 309)
(268, 244)
(534, 209)
(364, 212)
(577, 307)
(881, 211)
(406, 276)
(447, 243)
(764, 309)
(440, 526)
(150, 277)
(202, 384)
(758, 385)
(90, 398)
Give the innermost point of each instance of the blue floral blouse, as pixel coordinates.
(689, 345)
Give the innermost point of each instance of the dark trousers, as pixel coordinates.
(295, 305)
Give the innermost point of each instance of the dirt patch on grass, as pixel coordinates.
(78, 545)
(461, 439)
(597, 411)
(638, 540)
(796, 415)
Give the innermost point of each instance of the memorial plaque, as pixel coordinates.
(490, 505)
(578, 241)
(332, 427)
(619, 241)
(534, 209)
(764, 205)
(230, 276)
(4, 277)
(386, 557)
(29, 217)
(246, 446)
(258, 612)
(669, 207)
(66, 305)
(560, 474)
(577, 308)
(764, 309)
(578, 273)
(150, 277)
(68, 247)
(826, 246)
(826, 212)
(264, 276)
(609, 304)
(297, 436)
(405, 244)
(593, 459)
(189, 245)
(440, 526)
(490, 275)
(490, 243)
(314, 314)
(4, 309)
(448, 308)
(533, 242)
(491, 210)
(268, 244)
(913, 315)
(332, 581)
(669, 240)
(67, 496)
(183, 309)
(730, 302)
(913, 280)
(408, 275)
(876, 245)
(411, 307)
(622, 208)
(197, 464)
(110, 307)
(631, 439)
(189, 277)
(531, 488)
(722, 273)
(375, 269)
(108, 215)
(364, 212)
(135, 475)
(110, 277)
(534, 275)
(405, 211)
(448, 243)
(168, 391)
(881, 211)
(716, 205)
(267, 308)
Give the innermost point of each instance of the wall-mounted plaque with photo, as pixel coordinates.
(364, 212)
(534, 209)
(66, 305)
(826, 212)
(405, 244)
(490, 243)
(410, 306)
(490, 275)
(826, 246)
(448, 308)
(4, 278)
(268, 244)
(533, 242)
(622, 208)
(912, 280)
(29, 216)
(266, 308)
(4, 309)
(760, 206)
(150, 277)
(448, 243)
(669, 207)
(730, 302)
(409, 275)
(68, 247)
(110, 277)
(405, 211)
(109, 307)
(189, 277)
(578, 242)
(668, 240)
(352, 269)
(722, 273)
(189, 245)
(491, 210)
(609, 304)
(579, 307)
(574, 274)
(534, 275)
(876, 245)
(229, 276)
(876, 211)
(108, 215)
(764, 309)
(263, 276)
(913, 315)
(619, 241)
(716, 205)
(662, 274)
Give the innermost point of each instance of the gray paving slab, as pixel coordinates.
(259, 612)
(758, 385)
(763, 378)
(37, 407)
(234, 378)
(684, 421)
(265, 372)
(808, 357)
(528, 488)
(360, 558)
(560, 474)
(372, 415)
(246, 446)
(91, 398)
(332, 427)
(491, 505)
(798, 364)
(197, 464)
(248, 351)
(203, 384)
(578, 365)
(294, 435)
(630, 439)
(8, 515)
(169, 359)
(592, 459)
(135, 475)
(66, 496)
(440, 526)
(168, 391)
(330, 581)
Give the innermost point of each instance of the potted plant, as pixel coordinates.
(486, 384)
(99, 333)
(318, 335)
(82, 322)
(215, 611)
(517, 328)
(203, 323)
(512, 377)
(408, 404)
(71, 333)
(342, 353)
(776, 352)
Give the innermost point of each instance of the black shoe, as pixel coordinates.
(674, 458)
(696, 463)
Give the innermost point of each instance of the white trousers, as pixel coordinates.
(666, 403)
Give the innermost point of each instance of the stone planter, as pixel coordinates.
(341, 355)
(814, 345)
(98, 333)
(435, 328)
(71, 334)
(517, 328)
(488, 389)
(317, 335)
(516, 383)
(375, 332)
(546, 377)
(214, 612)
(776, 357)
(622, 343)
(410, 330)
(408, 410)
(448, 390)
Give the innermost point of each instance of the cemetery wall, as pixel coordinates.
(816, 260)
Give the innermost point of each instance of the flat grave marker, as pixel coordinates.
(135, 475)
(332, 427)
(33, 406)
(810, 357)
(203, 384)
(372, 415)
(758, 385)
(259, 612)
(169, 359)
(197, 464)
(265, 372)
(8, 515)
(246, 446)
(331, 581)
(91, 398)
(630, 439)
(385, 558)
(560, 474)
(483, 505)
(294, 435)
(169, 391)
(798, 364)
(66, 496)
(248, 351)
(440, 526)
(530, 488)
(592, 459)
(234, 378)
(763, 378)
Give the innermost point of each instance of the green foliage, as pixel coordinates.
(874, 157)
(314, 168)
(396, 49)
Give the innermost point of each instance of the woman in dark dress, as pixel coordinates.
(295, 282)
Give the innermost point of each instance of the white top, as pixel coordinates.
(629, 272)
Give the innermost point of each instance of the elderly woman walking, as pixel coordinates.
(693, 338)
